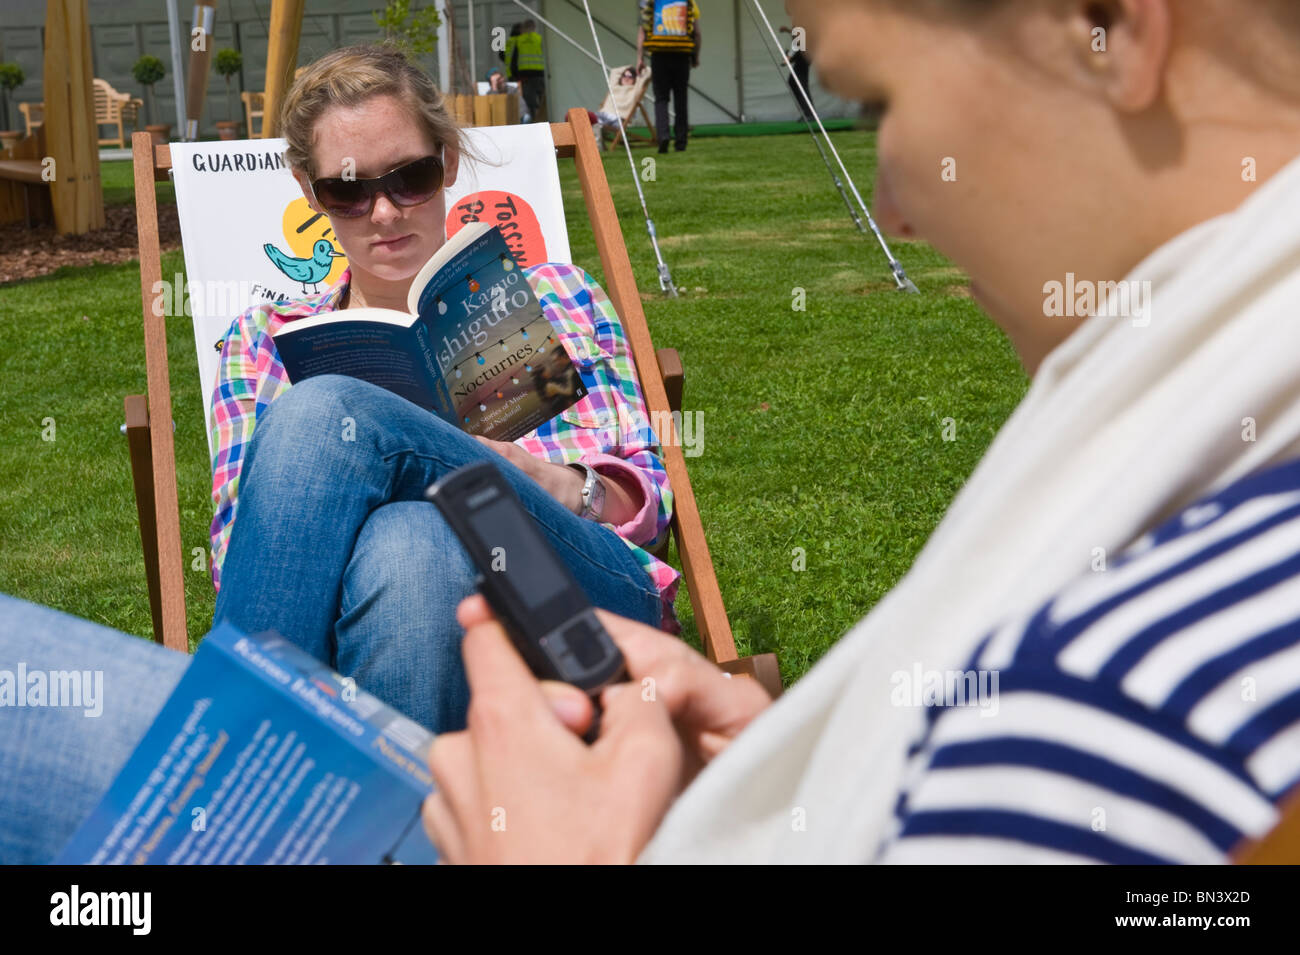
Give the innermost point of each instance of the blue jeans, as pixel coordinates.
(56, 762)
(334, 547)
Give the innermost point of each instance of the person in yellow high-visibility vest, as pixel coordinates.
(527, 62)
(508, 55)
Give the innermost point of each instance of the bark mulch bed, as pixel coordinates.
(28, 253)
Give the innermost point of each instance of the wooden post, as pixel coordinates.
(71, 135)
(483, 111)
(461, 107)
(205, 17)
(162, 449)
(142, 470)
(281, 59)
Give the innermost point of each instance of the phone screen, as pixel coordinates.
(527, 560)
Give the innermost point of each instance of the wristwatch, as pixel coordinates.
(593, 494)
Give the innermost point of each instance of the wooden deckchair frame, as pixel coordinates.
(152, 450)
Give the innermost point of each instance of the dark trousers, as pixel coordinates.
(532, 86)
(670, 74)
(802, 69)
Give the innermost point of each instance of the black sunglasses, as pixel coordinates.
(408, 185)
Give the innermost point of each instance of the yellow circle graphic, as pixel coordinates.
(303, 228)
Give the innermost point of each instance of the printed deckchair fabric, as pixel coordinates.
(249, 235)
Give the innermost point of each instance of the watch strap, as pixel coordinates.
(593, 493)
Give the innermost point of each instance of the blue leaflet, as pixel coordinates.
(264, 755)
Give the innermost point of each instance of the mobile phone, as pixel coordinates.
(542, 606)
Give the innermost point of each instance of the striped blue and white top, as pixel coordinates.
(1148, 713)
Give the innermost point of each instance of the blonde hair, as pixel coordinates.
(350, 76)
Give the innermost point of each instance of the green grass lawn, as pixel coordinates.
(822, 428)
(117, 181)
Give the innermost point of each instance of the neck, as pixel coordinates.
(368, 291)
(1205, 176)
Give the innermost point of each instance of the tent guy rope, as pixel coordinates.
(900, 277)
(665, 276)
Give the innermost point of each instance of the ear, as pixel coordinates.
(451, 156)
(1122, 48)
(305, 186)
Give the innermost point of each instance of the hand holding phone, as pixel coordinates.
(543, 608)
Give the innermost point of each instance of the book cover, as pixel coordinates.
(475, 348)
(263, 755)
(381, 346)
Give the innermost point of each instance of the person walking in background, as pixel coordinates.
(507, 56)
(528, 66)
(802, 68)
(670, 33)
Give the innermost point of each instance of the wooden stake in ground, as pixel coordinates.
(205, 17)
(71, 135)
(281, 58)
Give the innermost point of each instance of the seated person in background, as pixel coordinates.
(328, 541)
(619, 102)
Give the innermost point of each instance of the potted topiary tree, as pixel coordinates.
(11, 77)
(147, 71)
(227, 63)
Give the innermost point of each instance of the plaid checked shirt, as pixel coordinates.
(609, 429)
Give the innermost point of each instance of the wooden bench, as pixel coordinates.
(24, 193)
(21, 170)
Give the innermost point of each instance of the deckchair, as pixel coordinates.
(1282, 845)
(635, 102)
(152, 454)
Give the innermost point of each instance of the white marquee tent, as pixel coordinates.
(736, 80)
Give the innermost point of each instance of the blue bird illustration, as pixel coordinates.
(307, 271)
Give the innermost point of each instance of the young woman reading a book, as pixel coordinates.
(319, 530)
(1126, 557)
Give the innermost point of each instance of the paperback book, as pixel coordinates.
(474, 346)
